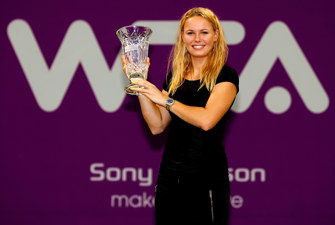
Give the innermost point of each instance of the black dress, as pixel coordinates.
(192, 186)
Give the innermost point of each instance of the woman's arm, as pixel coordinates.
(206, 117)
(156, 116)
(216, 107)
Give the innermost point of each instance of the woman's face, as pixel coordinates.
(199, 36)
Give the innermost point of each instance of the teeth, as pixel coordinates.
(197, 46)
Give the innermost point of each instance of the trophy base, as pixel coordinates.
(131, 92)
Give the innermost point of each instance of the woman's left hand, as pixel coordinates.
(150, 91)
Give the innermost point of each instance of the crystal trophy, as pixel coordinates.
(135, 47)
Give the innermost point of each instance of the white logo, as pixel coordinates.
(80, 47)
(116, 174)
(279, 43)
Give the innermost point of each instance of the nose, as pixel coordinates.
(197, 37)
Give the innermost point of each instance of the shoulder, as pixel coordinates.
(228, 74)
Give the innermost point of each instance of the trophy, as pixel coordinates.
(135, 46)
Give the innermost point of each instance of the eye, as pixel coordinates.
(189, 32)
(205, 32)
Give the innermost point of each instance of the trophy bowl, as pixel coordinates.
(135, 48)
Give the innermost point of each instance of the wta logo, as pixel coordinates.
(80, 47)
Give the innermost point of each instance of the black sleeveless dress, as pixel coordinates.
(192, 185)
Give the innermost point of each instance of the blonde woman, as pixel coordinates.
(192, 186)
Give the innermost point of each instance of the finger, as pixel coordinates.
(146, 84)
(138, 90)
(140, 82)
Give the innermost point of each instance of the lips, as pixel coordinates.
(198, 46)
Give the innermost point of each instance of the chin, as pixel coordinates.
(199, 55)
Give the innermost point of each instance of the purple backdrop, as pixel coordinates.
(75, 150)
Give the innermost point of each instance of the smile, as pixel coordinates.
(198, 46)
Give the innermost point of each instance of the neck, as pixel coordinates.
(197, 65)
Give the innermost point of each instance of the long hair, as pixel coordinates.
(180, 60)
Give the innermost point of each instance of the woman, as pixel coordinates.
(192, 185)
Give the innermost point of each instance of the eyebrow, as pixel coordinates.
(200, 30)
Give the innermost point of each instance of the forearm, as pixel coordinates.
(196, 116)
(216, 107)
(152, 115)
(157, 117)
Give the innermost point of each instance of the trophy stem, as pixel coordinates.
(134, 77)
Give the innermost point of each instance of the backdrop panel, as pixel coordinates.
(74, 148)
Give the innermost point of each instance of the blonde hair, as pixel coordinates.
(180, 59)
